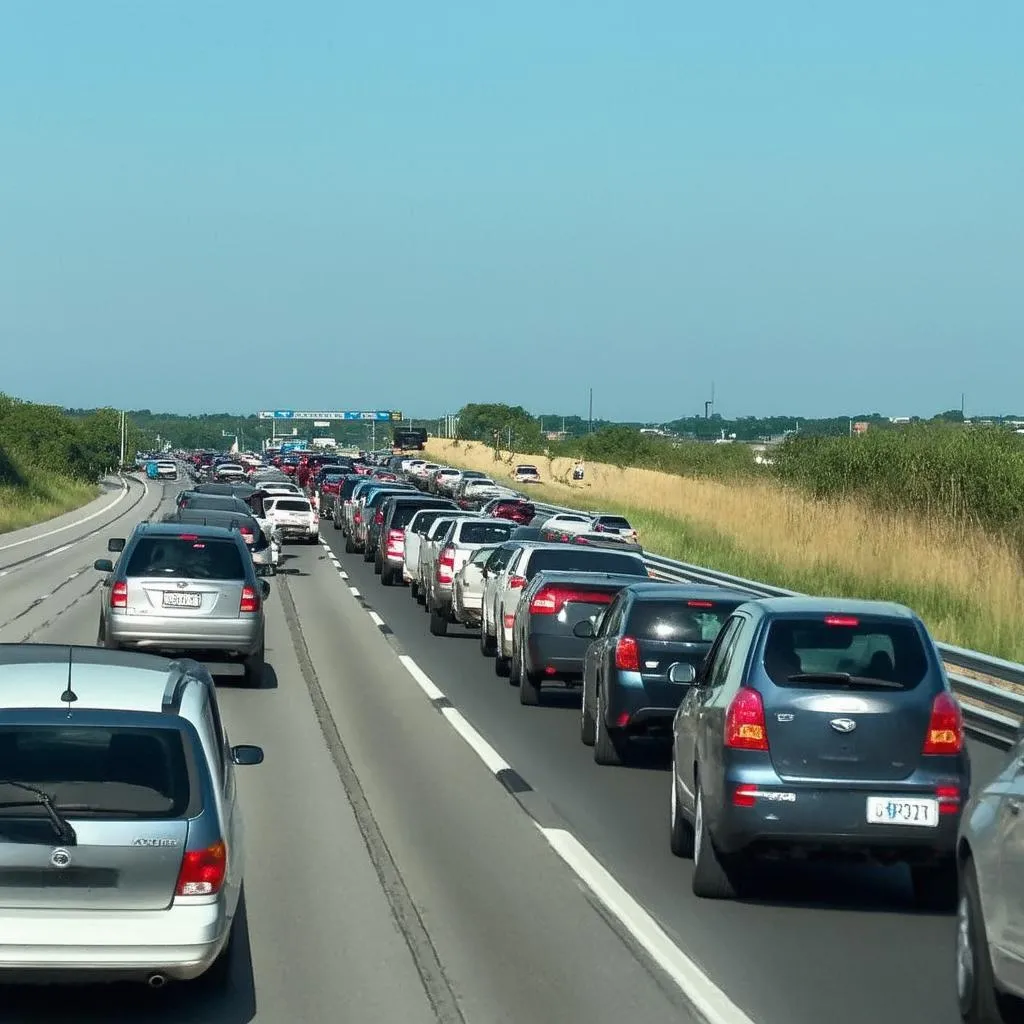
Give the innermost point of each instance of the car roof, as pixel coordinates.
(37, 676)
(780, 607)
(686, 592)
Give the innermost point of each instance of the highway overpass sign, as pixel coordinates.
(375, 416)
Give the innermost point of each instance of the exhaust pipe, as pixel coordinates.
(156, 981)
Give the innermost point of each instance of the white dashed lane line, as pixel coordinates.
(705, 996)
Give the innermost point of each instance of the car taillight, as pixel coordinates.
(627, 654)
(745, 726)
(378, 517)
(949, 799)
(516, 582)
(250, 601)
(396, 541)
(446, 565)
(202, 871)
(946, 728)
(119, 595)
(357, 518)
(551, 600)
(247, 535)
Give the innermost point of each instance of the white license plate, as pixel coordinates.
(898, 810)
(176, 600)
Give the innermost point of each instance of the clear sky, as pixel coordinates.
(233, 206)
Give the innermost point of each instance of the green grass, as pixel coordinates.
(40, 497)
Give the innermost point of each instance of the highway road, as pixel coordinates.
(822, 943)
(392, 877)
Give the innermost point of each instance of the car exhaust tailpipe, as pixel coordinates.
(156, 981)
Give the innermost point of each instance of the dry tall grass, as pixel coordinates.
(47, 497)
(967, 584)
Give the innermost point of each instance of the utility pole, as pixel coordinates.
(590, 423)
(123, 432)
(963, 400)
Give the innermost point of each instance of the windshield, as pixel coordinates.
(187, 557)
(97, 772)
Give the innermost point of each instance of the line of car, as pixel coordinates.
(797, 728)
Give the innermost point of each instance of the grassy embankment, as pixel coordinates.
(963, 578)
(50, 461)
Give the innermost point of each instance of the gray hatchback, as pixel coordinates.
(178, 587)
(820, 728)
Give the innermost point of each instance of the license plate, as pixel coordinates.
(173, 599)
(896, 810)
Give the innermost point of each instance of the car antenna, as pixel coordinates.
(69, 696)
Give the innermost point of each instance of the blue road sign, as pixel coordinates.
(377, 415)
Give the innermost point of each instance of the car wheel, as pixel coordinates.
(502, 666)
(935, 885)
(336, 524)
(975, 982)
(414, 590)
(608, 745)
(350, 548)
(587, 724)
(367, 554)
(438, 622)
(254, 665)
(529, 684)
(378, 566)
(387, 577)
(713, 875)
(681, 833)
(487, 642)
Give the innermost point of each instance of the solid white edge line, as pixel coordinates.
(377, 620)
(481, 747)
(77, 522)
(707, 998)
(426, 684)
(353, 591)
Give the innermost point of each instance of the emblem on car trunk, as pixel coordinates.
(154, 842)
(843, 724)
(60, 858)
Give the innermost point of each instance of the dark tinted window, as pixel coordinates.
(570, 558)
(292, 505)
(215, 501)
(425, 521)
(677, 621)
(348, 485)
(91, 771)
(868, 648)
(484, 533)
(526, 533)
(183, 557)
(403, 513)
(615, 522)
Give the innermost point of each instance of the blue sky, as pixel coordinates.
(235, 206)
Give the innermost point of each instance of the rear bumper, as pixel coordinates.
(145, 631)
(181, 942)
(562, 654)
(650, 704)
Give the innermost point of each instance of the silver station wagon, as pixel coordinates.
(121, 843)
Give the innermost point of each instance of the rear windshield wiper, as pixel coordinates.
(61, 826)
(845, 679)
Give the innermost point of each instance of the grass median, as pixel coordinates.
(41, 496)
(966, 583)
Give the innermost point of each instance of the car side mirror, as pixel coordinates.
(103, 565)
(115, 544)
(682, 672)
(584, 629)
(247, 754)
(264, 589)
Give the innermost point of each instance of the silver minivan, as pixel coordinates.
(177, 587)
(122, 848)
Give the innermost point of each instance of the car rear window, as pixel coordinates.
(90, 771)
(803, 653)
(614, 522)
(187, 557)
(682, 621)
(293, 505)
(485, 533)
(526, 469)
(403, 513)
(569, 558)
(215, 502)
(424, 521)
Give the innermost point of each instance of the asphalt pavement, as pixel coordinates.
(820, 943)
(391, 875)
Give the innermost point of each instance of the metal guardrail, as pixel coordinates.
(991, 712)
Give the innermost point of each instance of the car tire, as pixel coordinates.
(935, 885)
(587, 724)
(502, 666)
(367, 554)
(681, 835)
(414, 590)
(387, 577)
(254, 665)
(336, 524)
(975, 982)
(438, 622)
(488, 643)
(378, 565)
(529, 684)
(350, 548)
(608, 745)
(713, 875)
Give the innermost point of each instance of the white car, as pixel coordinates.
(526, 474)
(293, 517)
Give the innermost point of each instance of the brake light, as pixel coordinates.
(516, 582)
(946, 728)
(745, 726)
(396, 542)
(744, 795)
(357, 518)
(378, 517)
(627, 654)
(700, 604)
(551, 600)
(119, 595)
(202, 871)
(842, 620)
(446, 565)
(247, 535)
(250, 602)
(188, 536)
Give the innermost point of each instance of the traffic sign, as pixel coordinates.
(377, 416)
